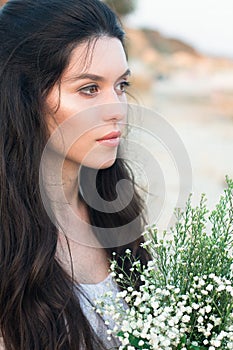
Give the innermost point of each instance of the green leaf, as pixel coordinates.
(194, 347)
(134, 341)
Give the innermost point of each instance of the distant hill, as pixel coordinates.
(183, 70)
(148, 39)
(166, 45)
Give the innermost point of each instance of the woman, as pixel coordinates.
(59, 59)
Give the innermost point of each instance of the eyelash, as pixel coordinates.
(85, 89)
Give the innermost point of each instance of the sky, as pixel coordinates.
(205, 24)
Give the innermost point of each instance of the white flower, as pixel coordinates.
(146, 296)
(201, 282)
(152, 287)
(166, 342)
(171, 323)
(166, 292)
(172, 334)
(137, 301)
(194, 343)
(125, 341)
(126, 327)
(122, 294)
(162, 318)
(136, 333)
(209, 326)
(202, 311)
(229, 289)
(208, 309)
(204, 292)
(221, 287)
(185, 318)
(139, 323)
(188, 309)
(155, 304)
(216, 343)
(151, 263)
(222, 335)
(209, 287)
(195, 306)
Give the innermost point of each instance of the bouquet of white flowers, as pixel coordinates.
(185, 301)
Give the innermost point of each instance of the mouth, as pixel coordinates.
(112, 139)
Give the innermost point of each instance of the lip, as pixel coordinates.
(112, 139)
(111, 135)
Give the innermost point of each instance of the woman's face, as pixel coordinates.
(92, 90)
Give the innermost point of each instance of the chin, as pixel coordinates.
(104, 163)
(107, 164)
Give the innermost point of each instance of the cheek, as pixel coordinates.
(61, 106)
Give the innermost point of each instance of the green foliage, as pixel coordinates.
(185, 300)
(189, 250)
(134, 341)
(122, 7)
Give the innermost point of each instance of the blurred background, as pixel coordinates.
(181, 57)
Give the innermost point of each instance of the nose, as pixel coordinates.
(114, 108)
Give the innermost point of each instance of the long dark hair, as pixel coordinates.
(39, 307)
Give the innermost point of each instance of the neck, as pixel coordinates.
(61, 185)
(70, 183)
(60, 179)
(72, 220)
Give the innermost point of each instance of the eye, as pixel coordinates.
(89, 90)
(122, 87)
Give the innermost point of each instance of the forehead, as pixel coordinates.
(101, 56)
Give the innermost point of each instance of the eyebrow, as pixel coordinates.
(93, 76)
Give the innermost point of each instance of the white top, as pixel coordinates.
(95, 292)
